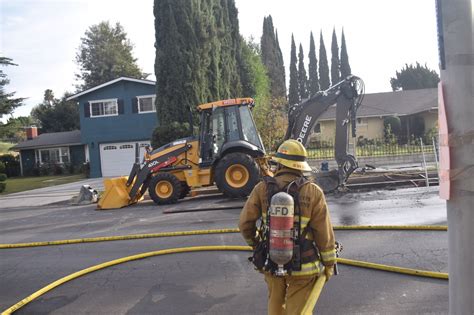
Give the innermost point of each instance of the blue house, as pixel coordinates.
(115, 116)
(50, 150)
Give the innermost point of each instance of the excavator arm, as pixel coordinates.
(302, 117)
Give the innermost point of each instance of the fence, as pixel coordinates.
(375, 147)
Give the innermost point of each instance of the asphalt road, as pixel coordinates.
(217, 282)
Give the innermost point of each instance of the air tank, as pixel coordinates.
(281, 224)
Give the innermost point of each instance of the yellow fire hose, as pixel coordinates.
(80, 273)
(215, 231)
(314, 295)
(309, 304)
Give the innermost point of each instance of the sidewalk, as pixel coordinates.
(48, 195)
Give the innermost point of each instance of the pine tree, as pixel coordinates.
(335, 74)
(323, 65)
(293, 95)
(313, 81)
(272, 58)
(56, 115)
(413, 77)
(345, 67)
(302, 78)
(105, 54)
(7, 102)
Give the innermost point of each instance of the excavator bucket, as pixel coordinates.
(116, 194)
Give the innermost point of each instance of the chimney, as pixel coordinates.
(31, 132)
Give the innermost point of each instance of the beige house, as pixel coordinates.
(417, 110)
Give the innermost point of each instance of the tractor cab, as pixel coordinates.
(228, 126)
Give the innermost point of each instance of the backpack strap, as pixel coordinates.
(272, 188)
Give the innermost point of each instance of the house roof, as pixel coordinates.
(398, 103)
(52, 139)
(109, 83)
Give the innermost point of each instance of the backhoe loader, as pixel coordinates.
(229, 153)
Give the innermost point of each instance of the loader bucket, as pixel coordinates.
(116, 194)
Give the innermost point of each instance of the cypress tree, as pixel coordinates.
(235, 48)
(293, 96)
(313, 81)
(198, 55)
(272, 58)
(302, 78)
(266, 42)
(323, 65)
(199, 58)
(174, 60)
(335, 74)
(345, 67)
(281, 76)
(207, 65)
(226, 62)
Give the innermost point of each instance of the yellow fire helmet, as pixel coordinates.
(292, 154)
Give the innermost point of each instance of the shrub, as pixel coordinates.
(70, 168)
(395, 124)
(168, 133)
(57, 169)
(45, 170)
(431, 134)
(417, 126)
(85, 169)
(389, 136)
(12, 165)
(3, 177)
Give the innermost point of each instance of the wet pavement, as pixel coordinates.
(412, 206)
(218, 282)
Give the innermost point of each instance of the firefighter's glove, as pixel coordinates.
(329, 271)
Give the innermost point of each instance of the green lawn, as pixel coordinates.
(4, 146)
(18, 184)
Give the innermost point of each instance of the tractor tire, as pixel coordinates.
(164, 188)
(236, 175)
(185, 189)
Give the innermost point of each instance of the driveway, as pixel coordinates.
(48, 195)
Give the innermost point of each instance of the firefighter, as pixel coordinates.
(288, 294)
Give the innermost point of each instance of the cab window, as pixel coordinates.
(232, 127)
(249, 131)
(218, 129)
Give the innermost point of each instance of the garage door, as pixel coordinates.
(116, 159)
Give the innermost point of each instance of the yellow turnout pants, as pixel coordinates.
(288, 295)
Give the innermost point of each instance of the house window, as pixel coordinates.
(317, 128)
(361, 121)
(146, 104)
(126, 146)
(52, 156)
(103, 108)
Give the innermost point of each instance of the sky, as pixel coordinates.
(42, 36)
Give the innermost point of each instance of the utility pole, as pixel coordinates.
(455, 34)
